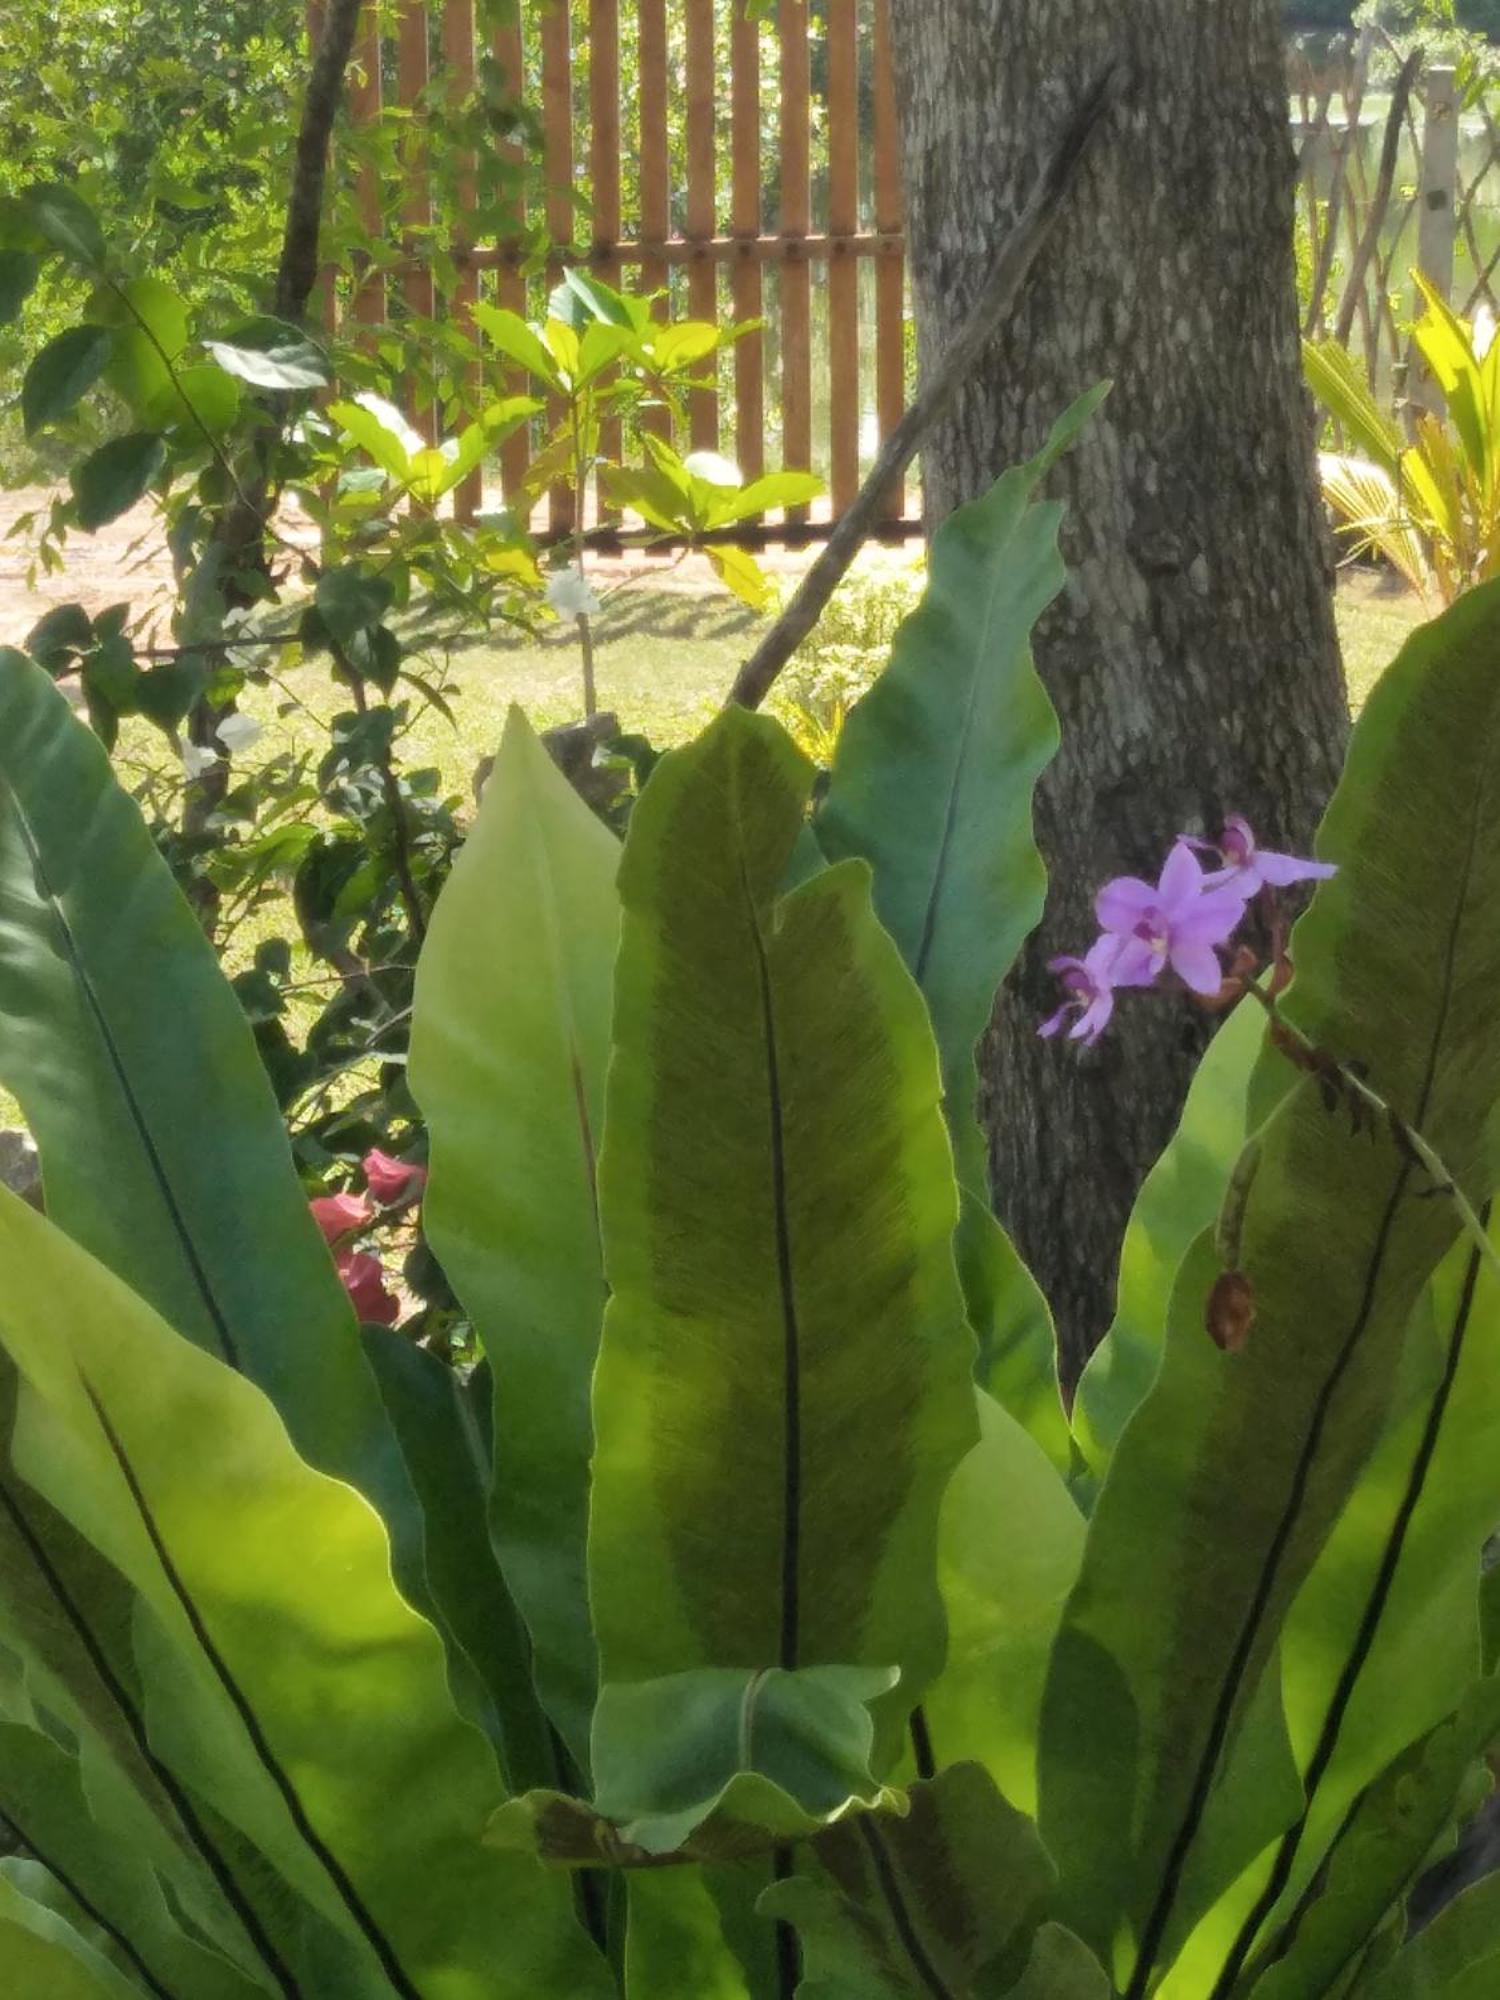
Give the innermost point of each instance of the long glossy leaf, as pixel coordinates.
(42, 1954)
(1383, 1641)
(933, 786)
(162, 1148)
(1009, 1548)
(1181, 1198)
(675, 1937)
(259, 1581)
(784, 1386)
(109, 1881)
(1457, 1957)
(450, 1467)
(1381, 1852)
(1226, 1485)
(930, 1903)
(510, 1043)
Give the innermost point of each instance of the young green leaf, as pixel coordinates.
(61, 217)
(270, 354)
(708, 1757)
(65, 370)
(110, 480)
(513, 338)
(778, 1208)
(1182, 1196)
(933, 785)
(508, 1057)
(1009, 1549)
(19, 271)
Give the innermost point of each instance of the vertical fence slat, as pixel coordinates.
(655, 173)
(557, 157)
(702, 201)
(890, 269)
(364, 108)
(745, 222)
(796, 220)
(416, 212)
(604, 157)
(510, 57)
(843, 270)
(655, 167)
(458, 69)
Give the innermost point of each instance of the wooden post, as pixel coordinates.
(890, 267)
(702, 202)
(515, 453)
(364, 109)
(1437, 210)
(796, 220)
(458, 62)
(844, 397)
(749, 352)
(416, 285)
(557, 154)
(655, 169)
(604, 160)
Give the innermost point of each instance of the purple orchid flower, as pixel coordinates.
(1250, 867)
(1180, 920)
(1090, 984)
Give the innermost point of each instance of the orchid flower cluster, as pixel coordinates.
(1176, 926)
(391, 1186)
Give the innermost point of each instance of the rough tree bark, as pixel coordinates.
(1193, 660)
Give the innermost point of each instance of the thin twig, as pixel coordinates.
(997, 302)
(1385, 183)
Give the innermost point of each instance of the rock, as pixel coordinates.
(20, 1165)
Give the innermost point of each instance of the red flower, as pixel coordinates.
(364, 1281)
(341, 1215)
(392, 1180)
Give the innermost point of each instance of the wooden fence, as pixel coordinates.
(1361, 238)
(751, 169)
(741, 168)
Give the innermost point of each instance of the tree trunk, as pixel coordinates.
(1193, 660)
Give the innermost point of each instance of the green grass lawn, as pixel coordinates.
(665, 662)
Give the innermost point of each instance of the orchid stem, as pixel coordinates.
(1406, 1135)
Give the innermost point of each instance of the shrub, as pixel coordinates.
(759, 1622)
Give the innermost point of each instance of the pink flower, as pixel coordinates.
(341, 1215)
(1250, 868)
(391, 1180)
(1180, 920)
(364, 1281)
(1090, 984)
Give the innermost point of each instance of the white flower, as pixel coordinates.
(1484, 331)
(239, 732)
(714, 467)
(197, 761)
(390, 418)
(569, 593)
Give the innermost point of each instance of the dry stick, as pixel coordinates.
(1385, 184)
(997, 302)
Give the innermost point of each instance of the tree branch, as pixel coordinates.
(1385, 184)
(297, 273)
(1002, 293)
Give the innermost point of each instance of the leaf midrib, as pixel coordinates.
(338, 1876)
